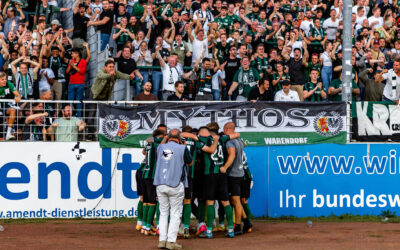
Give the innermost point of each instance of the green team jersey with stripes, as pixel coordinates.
(212, 162)
(192, 146)
(150, 160)
(316, 96)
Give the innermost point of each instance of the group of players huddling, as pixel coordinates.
(219, 173)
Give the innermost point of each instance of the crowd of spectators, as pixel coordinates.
(244, 50)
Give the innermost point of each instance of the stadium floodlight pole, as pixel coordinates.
(346, 48)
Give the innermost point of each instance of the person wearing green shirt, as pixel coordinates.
(245, 194)
(245, 79)
(335, 89)
(224, 21)
(222, 48)
(8, 91)
(67, 127)
(313, 90)
(216, 187)
(192, 145)
(138, 8)
(149, 192)
(123, 34)
(314, 64)
(48, 10)
(279, 76)
(260, 62)
(317, 37)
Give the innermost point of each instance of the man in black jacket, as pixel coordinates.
(263, 92)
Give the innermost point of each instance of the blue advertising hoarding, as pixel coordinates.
(320, 180)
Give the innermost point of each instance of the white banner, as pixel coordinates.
(67, 180)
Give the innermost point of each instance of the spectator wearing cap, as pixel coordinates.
(48, 11)
(80, 22)
(105, 24)
(77, 71)
(11, 21)
(376, 53)
(54, 26)
(286, 94)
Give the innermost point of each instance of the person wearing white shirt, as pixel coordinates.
(391, 92)
(360, 3)
(204, 15)
(216, 79)
(307, 23)
(172, 72)
(199, 44)
(331, 25)
(360, 15)
(376, 20)
(286, 94)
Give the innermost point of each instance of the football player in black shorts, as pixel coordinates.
(245, 188)
(149, 190)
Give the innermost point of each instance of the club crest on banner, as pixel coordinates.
(328, 124)
(116, 128)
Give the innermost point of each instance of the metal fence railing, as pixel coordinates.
(38, 120)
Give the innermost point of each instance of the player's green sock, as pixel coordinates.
(210, 216)
(150, 215)
(201, 211)
(246, 208)
(229, 216)
(157, 213)
(145, 211)
(221, 214)
(140, 212)
(187, 211)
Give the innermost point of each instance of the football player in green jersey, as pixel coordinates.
(149, 192)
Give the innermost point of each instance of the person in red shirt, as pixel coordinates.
(77, 70)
